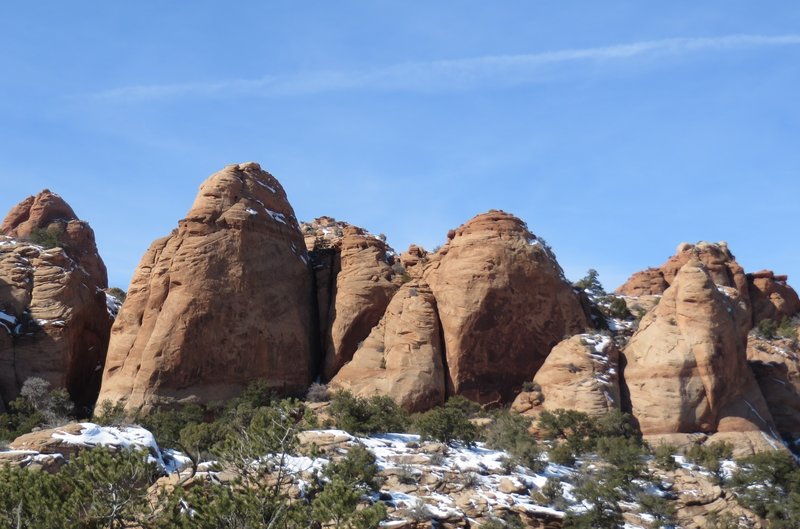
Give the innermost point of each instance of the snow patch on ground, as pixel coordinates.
(127, 437)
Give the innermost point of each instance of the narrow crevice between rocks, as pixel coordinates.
(448, 383)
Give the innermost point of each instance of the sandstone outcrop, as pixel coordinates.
(48, 212)
(581, 373)
(686, 365)
(225, 299)
(402, 357)
(503, 303)
(772, 297)
(54, 321)
(720, 264)
(353, 276)
(776, 366)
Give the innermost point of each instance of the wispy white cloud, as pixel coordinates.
(433, 76)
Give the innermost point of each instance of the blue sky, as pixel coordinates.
(615, 129)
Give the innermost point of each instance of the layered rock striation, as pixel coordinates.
(54, 320)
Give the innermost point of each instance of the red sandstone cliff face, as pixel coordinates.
(54, 323)
(403, 356)
(225, 299)
(354, 286)
(503, 304)
(500, 302)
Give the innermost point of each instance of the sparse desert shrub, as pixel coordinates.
(661, 509)
(663, 456)
(318, 393)
(768, 483)
(767, 329)
(510, 432)
(553, 493)
(118, 293)
(617, 308)
(710, 456)
(107, 413)
(448, 423)
(379, 414)
(50, 237)
(562, 454)
(469, 480)
(787, 329)
(530, 385)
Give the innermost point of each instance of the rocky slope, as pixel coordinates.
(54, 320)
(424, 484)
(225, 299)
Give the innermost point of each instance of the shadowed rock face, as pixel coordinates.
(686, 365)
(772, 297)
(503, 304)
(776, 366)
(56, 323)
(225, 299)
(354, 286)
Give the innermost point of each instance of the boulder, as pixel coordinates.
(225, 299)
(686, 367)
(402, 357)
(503, 303)
(54, 318)
(581, 373)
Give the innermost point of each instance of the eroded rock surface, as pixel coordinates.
(581, 373)
(403, 356)
(225, 299)
(503, 303)
(686, 365)
(54, 320)
(354, 286)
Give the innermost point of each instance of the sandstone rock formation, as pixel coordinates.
(720, 264)
(48, 212)
(581, 373)
(503, 303)
(403, 356)
(354, 286)
(763, 294)
(772, 297)
(686, 365)
(225, 299)
(54, 322)
(499, 300)
(776, 366)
